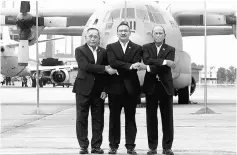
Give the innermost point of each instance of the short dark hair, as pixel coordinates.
(93, 28)
(123, 23)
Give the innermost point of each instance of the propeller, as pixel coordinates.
(26, 25)
(231, 20)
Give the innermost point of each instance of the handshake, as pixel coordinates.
(139, 66)
(110, 70)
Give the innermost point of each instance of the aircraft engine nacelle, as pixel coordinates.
(231, 20)
(215, 19)
(182, 72)
(59, 76)
(234, 31)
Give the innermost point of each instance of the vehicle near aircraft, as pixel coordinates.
(142, 17)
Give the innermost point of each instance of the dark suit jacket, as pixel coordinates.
(90, 75)
(155, 62)
(127, 80)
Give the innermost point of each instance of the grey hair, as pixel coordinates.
(157, 26)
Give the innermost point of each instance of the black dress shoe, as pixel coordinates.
(152, 151)
(97, 150)
(168, 152)
(112, 151)
(131, 151)
(83, 151)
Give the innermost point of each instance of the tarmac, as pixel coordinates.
(52, 130)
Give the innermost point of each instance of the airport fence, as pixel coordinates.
(217, 85)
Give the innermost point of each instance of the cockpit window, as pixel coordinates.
(130, 13)
(142, 14)
(150, 8)
(106, 16)
(158, 18)
(114, 14)
(155, 15)
(151, 17)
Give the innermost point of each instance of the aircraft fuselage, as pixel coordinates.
(142, 17)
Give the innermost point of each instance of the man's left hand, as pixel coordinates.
(142, 67)
(103, 95)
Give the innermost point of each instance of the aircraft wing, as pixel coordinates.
(74, 17)
(40, 41)
(191, 18)
(71, 31)
(50, 68)
(218, 13)
(211, 30)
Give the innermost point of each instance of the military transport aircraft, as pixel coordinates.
(142, 17)
(9, 61)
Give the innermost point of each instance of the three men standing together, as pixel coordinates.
(114, 71)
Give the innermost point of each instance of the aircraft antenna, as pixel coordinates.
(125, 11)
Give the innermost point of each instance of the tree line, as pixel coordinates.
(224, 75)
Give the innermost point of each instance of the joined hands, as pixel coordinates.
(110, 70)
(139, 66)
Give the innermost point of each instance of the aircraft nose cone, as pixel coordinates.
(111, 39)
(140, 40)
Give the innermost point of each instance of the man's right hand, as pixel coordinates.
(170, 63)
(110, 70)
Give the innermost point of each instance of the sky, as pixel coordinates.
(221, 50)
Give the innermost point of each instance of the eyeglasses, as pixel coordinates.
(93, 36)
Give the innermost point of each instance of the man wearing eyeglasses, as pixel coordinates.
(123, 88)
(89, 88)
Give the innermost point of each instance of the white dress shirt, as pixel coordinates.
(94, 51)
(124, 46)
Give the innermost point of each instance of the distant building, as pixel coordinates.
(196, 73)
(211, 77)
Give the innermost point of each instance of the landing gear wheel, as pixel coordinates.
(183, 96)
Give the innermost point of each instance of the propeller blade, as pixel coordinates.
(231, 19)
(25, 7)
(23, 53)
(24, 23)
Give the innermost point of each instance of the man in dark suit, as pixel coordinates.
(123, 88)
(89, 88)
(158, 58)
